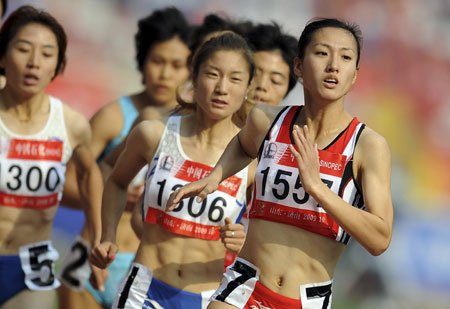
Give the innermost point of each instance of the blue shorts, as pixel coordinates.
(32, 269)
(117, 271)
(140, 290)
(170, 297)
(12, 279)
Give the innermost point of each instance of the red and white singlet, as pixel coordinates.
(278, 194)
(32, 167)
(169, 170)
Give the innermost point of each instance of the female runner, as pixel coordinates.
(38, 135)
(162, 50)
(180, 260)
(322, 177)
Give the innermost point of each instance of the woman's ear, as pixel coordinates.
(298, 67)
(355, 76)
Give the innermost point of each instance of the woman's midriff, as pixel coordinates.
(288, 256)
(186, 263)
(19, 227)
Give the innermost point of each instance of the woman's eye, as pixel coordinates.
(178, 66)
(321, 53)
(347, 57)
(156, 61)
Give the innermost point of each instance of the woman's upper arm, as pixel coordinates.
(139, 150)
(373, 158)
(255, 129)
(105, 125)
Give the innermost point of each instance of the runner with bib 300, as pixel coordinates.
(38, 135)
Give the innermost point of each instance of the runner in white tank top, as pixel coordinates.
(38, 135)
(180, 259)
(322, 178)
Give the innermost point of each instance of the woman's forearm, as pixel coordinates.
(113, 204)
(232, 160)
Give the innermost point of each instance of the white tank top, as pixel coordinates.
(32, 167)
(170, 169)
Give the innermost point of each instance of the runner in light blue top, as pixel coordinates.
(162, 52)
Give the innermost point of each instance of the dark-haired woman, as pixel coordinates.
(162, 50)
(180, 258)
(38, 135)
(274, 53)
(322, 178)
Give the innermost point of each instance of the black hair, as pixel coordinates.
(319, 23)
(227, 41)
(25, 15)
(269, 37)
(162, 25)
(215, 23)
(5, 6)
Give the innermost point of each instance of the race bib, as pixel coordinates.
(31, 173)
(38, 262)
(280, 196)
(75, 269)
(316, 295)
(200, 220)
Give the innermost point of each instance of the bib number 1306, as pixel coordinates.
(215, 211)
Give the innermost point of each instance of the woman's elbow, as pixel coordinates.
(380, 246)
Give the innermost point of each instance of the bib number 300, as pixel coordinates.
(38, 261)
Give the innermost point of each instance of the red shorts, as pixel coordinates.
(263, 297)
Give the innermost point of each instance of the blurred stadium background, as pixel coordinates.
(402, 92)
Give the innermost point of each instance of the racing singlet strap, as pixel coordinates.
(129, 113)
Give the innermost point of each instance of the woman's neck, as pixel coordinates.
(211, 132)
(20, 106)
(144, 99)
(324, 118)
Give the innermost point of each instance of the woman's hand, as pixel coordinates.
(307, 157)
(232, 236)
(200, 188)
(98, 278)
(103, 254)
